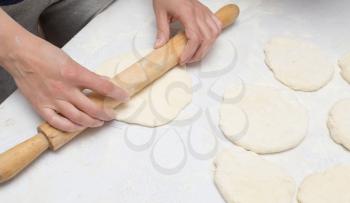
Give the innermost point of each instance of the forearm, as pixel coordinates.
(12, 39)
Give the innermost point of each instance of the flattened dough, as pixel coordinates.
(263, 119)
(244, 177)
(330, 186)
(157, 104)
(297, 64)
(339, 123)
(344, 64)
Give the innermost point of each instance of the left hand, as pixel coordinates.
(202, 27)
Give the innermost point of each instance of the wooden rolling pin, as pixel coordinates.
(133, 79)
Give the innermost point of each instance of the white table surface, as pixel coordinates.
(122, 163)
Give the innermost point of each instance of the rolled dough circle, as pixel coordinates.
(328, 186)
(344, 64)
(339, 123)
(158, 103)
(298, 64)
(264, 120)
(244, 177)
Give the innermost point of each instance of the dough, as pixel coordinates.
(329, 186)
(344, 64)
(297, 64)
(263, 120)
(157, 104)
(244, 177)
(339, 123)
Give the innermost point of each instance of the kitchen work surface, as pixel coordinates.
(173, 163)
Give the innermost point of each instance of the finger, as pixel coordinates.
(194, 38)
(207, 34)
(101, 85)
(214, 24)
(82, 102)
(72, 113)
(163, 30)
(217, 22)
(59, 122)
(189, 50)
(204, 48)
(211, 32)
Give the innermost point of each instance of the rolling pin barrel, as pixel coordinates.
(133, 79)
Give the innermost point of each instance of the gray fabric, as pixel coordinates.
(7, 84)
(27, 13)
(59, 21)
(62, 20)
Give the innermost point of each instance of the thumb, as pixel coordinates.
(163, 30)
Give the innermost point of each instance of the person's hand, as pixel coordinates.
(53, 84)
(202, 27)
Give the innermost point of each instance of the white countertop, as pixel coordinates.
(121, 163)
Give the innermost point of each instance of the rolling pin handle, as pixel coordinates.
(227, 15)
(17, 158)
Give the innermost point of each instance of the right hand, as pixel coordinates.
(201, 25)
(53, 83)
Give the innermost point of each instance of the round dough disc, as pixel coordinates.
(344, 64)
(263, 119)
(157, 104)
(244, 177)
(339, 123)
(329, 186)
(297, 64)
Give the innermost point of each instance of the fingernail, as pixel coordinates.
(79, 128)
(182, 62)
(106, 78)
(119, 95)
(159, 42)
(98, 123)
(191, 61)
(111, 114)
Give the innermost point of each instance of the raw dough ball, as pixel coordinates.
(244, 177)
(339, 123)
(344, 64)
(297, 64)
(264, 120)
(157, 104)
(329, 186)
